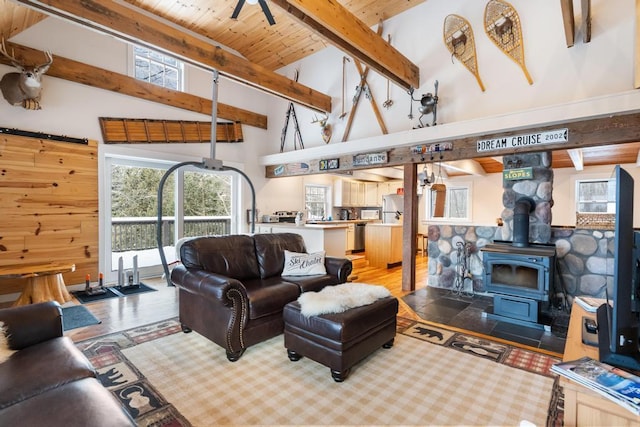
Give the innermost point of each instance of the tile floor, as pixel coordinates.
(469, 312)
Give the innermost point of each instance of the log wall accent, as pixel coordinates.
(49, 199)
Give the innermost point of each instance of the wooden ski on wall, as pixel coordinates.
(502, 25)
(458, 37)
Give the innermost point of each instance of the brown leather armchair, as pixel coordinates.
(231, 289)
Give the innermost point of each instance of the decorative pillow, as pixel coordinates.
(5, 351)
(297, 264)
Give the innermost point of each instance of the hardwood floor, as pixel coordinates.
(119, 314)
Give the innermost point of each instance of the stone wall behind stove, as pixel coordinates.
(584, 258)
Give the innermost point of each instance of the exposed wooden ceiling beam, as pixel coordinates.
(467, 166)
(132, 26)
(568, 20)
(78, 72)
(577, 158)
(341, 28)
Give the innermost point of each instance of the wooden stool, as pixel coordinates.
(422, 239)
(45, 282)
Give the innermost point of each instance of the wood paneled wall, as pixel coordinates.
(48, 205)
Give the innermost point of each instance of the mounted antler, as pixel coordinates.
(23, 88)
(326, 127)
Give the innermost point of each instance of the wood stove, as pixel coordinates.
(519, 273)
(519, 278)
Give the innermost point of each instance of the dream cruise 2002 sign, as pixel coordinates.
(525, 140)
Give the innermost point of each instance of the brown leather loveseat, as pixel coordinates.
(231, 289)
(48, 381)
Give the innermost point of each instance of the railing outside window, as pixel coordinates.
(132, 234)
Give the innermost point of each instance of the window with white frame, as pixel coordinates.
(157, 68)
(457, 203)
(317, 201)
(595, 196)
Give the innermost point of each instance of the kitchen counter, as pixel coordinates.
(328, 236)
(384, 244)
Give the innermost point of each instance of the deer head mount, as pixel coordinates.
(326, 127)
(23, 88)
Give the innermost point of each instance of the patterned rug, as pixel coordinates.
(167, 378)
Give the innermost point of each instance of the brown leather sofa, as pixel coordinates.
(48, 381)
(231, 289)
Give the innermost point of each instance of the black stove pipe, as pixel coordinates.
(524, 206)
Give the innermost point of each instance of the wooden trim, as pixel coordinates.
(79, 72)
(568, 19)
(591, 132)
(336, 24)
(126, 23)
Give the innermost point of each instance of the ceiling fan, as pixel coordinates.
(263, 5)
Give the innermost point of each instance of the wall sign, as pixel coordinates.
(433, 148)
(329, 164)
(529, 139)
(371, 159)
(517, 174)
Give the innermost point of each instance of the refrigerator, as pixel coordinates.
(392, 206)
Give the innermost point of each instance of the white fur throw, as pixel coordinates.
(339, 298)
(5, 351)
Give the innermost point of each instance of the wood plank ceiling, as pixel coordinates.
(293, 39)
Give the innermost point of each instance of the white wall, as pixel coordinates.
(561, 75)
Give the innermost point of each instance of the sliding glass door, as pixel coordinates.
(195, 203)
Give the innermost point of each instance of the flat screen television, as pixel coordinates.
(618, 322)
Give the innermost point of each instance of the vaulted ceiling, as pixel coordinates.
(254, 50)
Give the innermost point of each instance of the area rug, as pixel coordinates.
(169, 378)
(77, 316)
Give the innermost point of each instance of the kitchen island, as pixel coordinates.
(384, 244)
(330, 237)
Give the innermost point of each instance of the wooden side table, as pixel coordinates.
(45, 282)
(582, 406)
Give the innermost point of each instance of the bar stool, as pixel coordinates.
(422, 243)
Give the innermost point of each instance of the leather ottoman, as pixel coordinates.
(340, 340)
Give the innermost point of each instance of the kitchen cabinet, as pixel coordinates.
(357, 193)
(390, 187)
(351, 237)
(348, 193)
(371, 194)
(342, 193)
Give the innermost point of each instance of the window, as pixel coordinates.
(157, 68)
(317, 201)
(457, 203)
(595, 196)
